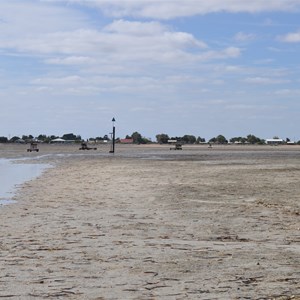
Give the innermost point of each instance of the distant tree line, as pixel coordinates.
(220, 139)
(250, 139)
(186, 139)
(43, 138)
(137, 138)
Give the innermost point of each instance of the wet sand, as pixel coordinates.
(150, 223)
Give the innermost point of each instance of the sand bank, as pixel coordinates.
(148, 223)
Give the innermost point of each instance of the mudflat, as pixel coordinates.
(150, 223)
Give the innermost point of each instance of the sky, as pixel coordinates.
(197, 67)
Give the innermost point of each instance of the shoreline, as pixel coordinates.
(150, 224)
(15, 172)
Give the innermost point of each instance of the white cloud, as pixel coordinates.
(288, 92)
(177, 8)
(29, 18)
(152, 30)
(71, 60)
(265, 61)
(94, 84)
(293, 37)
(69, 80)
(135, 28)
(230, 52)
(119, 42)
(265, 80)
(244, 37)
(242, 106)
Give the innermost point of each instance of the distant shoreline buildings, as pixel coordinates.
(137, 138)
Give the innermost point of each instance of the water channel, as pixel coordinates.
(14, 173)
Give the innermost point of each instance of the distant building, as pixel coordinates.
(274, 141)
(20, 141)
(58, 141)
(126, 141)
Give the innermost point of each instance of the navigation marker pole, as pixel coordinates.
(113, 137)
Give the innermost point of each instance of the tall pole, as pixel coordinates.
(113, 136)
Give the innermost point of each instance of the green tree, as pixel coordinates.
(42, 137)
(162, 138)
(3, 139)
(14, 138)
(146, 140)
(220, 139)
(137, 138)
(71, 137)
(189, 139)
(27, 138)
(239, 139)
(252, 139)
(200, 140)
(213, 140)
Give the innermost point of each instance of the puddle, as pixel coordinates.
(5, 202)
(13, 174)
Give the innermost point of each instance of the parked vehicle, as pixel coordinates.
(33, 147)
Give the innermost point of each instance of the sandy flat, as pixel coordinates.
(150, 223)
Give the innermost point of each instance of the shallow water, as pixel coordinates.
(13, 174)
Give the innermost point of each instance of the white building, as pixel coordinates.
(276, 141)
